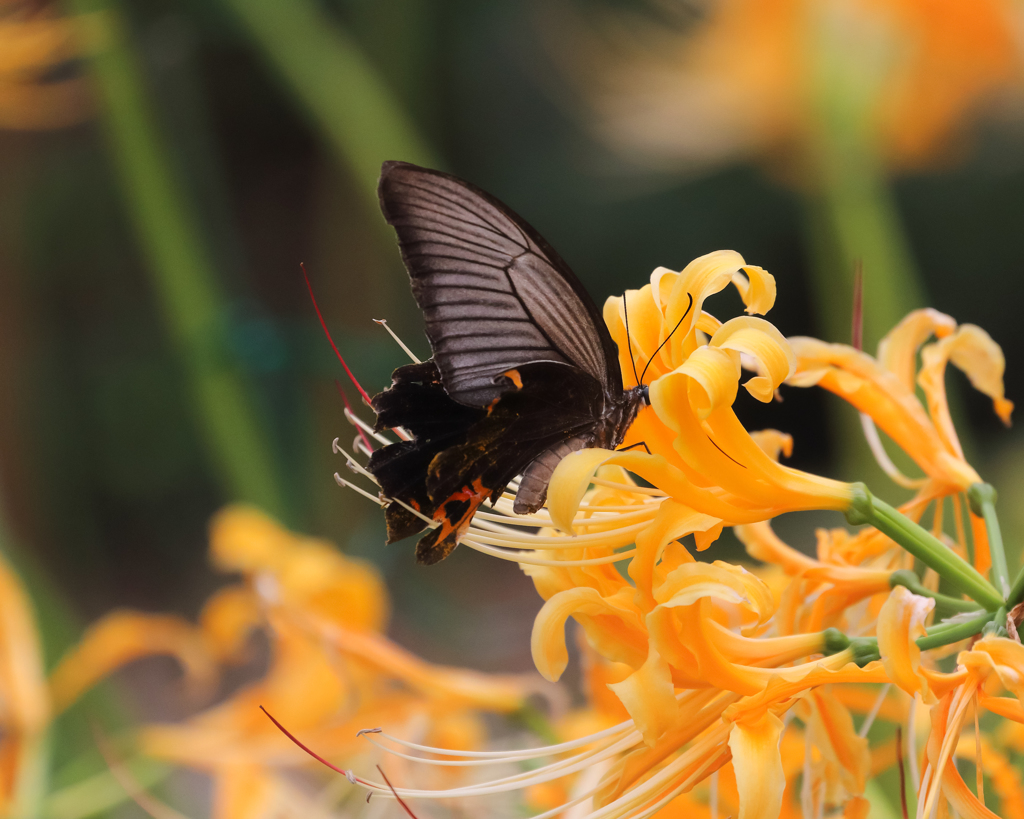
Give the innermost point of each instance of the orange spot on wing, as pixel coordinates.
(514, 377)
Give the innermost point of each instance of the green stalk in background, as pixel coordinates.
(180, 264)
(851, 215)
(339, 87)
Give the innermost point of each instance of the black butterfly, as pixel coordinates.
(524, 370)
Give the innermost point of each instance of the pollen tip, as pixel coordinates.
(362, 731)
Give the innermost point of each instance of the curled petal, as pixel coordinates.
(974, 352)
(621, 630)
(897, 352)
(673, 521)
(1002, 655)
(649, 697)
(121, 637)
(691, 582)
(900, 622)
(760, 339)
(714, 378)
(773, 443)
(756, 287)
(760, 779)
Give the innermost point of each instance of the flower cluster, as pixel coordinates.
(737, 685)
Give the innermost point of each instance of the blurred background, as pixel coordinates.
(165, 167)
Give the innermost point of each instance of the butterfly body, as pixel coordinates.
(523, 369)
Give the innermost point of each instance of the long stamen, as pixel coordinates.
(327, 332)
(351, 777)
(384, 323)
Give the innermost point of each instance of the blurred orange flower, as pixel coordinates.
(37, 49)
(745, 78)
(331, 674)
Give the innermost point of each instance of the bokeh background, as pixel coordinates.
(165, 166)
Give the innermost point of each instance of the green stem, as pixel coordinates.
(923, 545)
(1016, 595)
(866, 648)
(943, 602)
(179, 263)
(945, 633)
(982, 497)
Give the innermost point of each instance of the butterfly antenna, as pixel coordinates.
(629, 341)
(678, 324)
(327, 332)
(401, 801)
(351, 777)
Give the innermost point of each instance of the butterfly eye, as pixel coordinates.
(645, 395)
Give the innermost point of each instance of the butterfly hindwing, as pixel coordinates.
(494, 294)
(454, 463)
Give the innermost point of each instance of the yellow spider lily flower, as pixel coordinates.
(884, 389)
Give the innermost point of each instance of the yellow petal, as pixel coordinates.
(897, 352)
(458, 685)
(243, 791)
(24, 699)
(760, 778)
(673, 521)
(121, 637)
(713, 379)
(974, 352)
(773, 443)
(227, 619)
(760, 339)
(834, 735)
(756, 287)
(620, 627)
(1004, 656)
(649, 697)
(900, 622)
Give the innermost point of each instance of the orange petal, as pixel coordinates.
(649, 697)
(121, 637)
(761, 340)
(760, 778)
(617, 625)
(900, 622)
(227, 619)
(897, 352)
(24, 699)
(974, 352)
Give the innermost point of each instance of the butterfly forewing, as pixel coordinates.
(494, 295)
